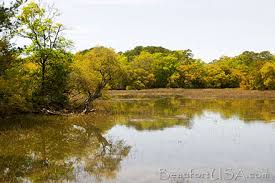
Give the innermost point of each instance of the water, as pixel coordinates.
(144, 141)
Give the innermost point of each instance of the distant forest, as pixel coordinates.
(45, 74)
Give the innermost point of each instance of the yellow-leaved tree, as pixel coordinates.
(268, 75)
(93, 70)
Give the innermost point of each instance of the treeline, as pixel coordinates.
(45, 76)
(157, 67)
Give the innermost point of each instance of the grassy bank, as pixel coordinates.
(194, 93)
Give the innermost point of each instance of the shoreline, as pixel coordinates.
(198, 94)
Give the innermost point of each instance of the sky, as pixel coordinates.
(210, 28)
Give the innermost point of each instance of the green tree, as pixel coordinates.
(56, 82)
(8, 22)
(8, 54)
(48, 49)
(130, 54)
(38, 25)
(164, 67)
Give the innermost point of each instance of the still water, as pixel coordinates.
(144, 141)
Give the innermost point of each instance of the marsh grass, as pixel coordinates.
(194, 93)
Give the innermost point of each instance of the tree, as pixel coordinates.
(49, 51)
(8, 54)
(56, 83)
(268, 75)
(141, 71)
(93, 70)
(164, 67)
(250, 64)
(121, 78)
(38, 25)
(190, 75)
(130, 54)
(8, 22)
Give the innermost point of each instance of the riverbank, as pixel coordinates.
(194, 93)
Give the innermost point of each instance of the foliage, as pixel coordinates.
(268, 75)
(56, 83)
(8, 22)
(47, 50)
(152, 67)
(93, 70)
(130, 54)
(9, 98)
(141, 73)
(188, 76)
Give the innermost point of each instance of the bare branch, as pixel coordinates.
(56, 36)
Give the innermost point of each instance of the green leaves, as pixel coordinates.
(38, 25)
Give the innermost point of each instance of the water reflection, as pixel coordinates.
(40, 149)
(158, 114)
(161, 132)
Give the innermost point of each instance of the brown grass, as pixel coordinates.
(194, 93)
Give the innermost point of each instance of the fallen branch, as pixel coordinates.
(50, 112)
(57, 113)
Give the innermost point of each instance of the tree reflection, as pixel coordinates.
(158, 114)
(51, 150)
(149, 114)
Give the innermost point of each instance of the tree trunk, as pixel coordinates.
(43, 78)
(87, 103)
(92, 97)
